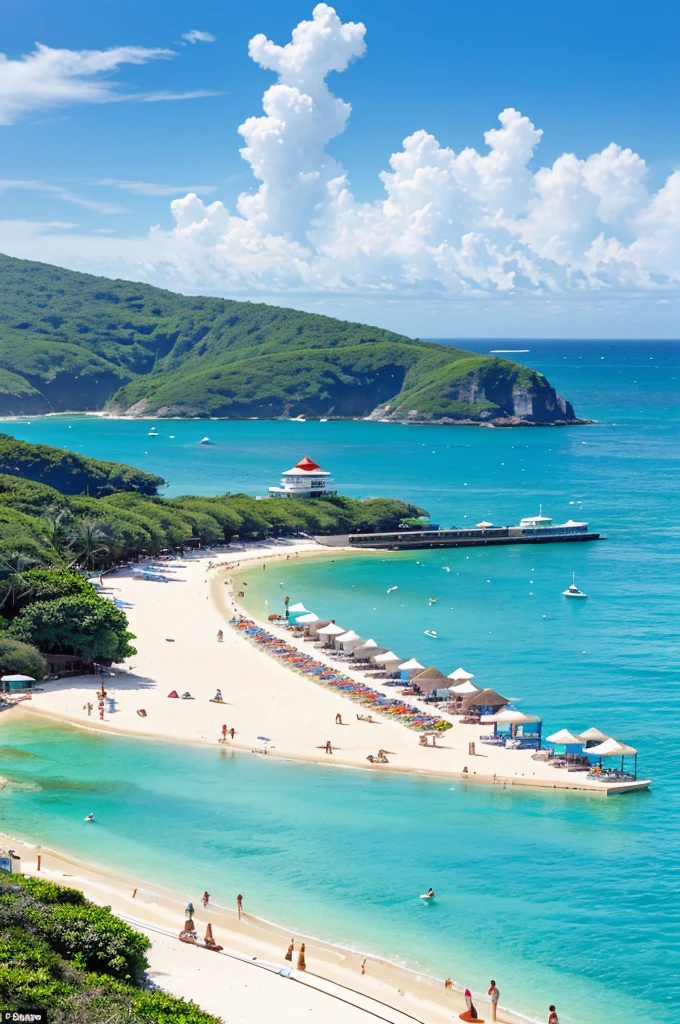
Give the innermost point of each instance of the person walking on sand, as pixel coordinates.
(552, 1015)
(494, 994)
(223, 738)
(289, 952)
(301, 962)
(239, 905)
(206, 898)
(329, 747)
(189, 910)
(338, 719)
(232, 732)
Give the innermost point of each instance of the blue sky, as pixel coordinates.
(466, 245)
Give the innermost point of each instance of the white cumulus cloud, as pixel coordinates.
(446, 225)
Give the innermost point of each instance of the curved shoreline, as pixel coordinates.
(409, 993)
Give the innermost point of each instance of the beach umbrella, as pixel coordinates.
(430, 679)
(484, 525)
(564, 738)
(593, 736)
(369, 650)
(297, 608)
(331, 630)
(612, 748)
(383, 659)
(509, 717)
(349, 640)
(462, 689)
(461, 676)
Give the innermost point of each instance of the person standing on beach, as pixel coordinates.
(494, 994)
(189, 910)
(224, 734)
(552, 1015)
(239, 905)
(290, 951)
(468, 999)
(206, 898)
(301, 962)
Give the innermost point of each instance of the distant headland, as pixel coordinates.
(71, 342)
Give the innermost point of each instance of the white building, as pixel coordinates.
(306, 480)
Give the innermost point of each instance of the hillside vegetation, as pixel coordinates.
(61, 953)
(70, 341)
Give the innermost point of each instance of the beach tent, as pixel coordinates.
(330, 630)
(612, 748)
(348, 641)
(369, 649)
(410, 668)
(463, 689)
(528, 727)
(388, 656)
(430, 679)
(314, 628)
(565, 738)
(591, 737)
(461, 676)
(17, 682)
(306, 619)
(487, 701)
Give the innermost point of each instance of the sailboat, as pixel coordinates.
(572, 590)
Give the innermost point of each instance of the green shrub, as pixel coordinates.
(17, 658)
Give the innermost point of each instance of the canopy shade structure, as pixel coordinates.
(349, 635)
(461, 676)
(510, 717)
(593, 735)
(306, 619)
(299, 607)
(564, 737)
(430, 679)
(485, 699)
(612, 748)
(332, 629)
(463, 689)
(411, 665)
(319, 624)
(18, 679)
(369, 650)
(383, 659)
(349, 641)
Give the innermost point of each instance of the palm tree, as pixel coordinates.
(13, 583)
(57, 524)
(87, 540)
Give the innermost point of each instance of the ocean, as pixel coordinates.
(560, 897)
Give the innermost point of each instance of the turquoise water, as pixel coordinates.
(576, 897)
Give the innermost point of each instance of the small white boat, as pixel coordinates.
(153, 433)
(206, 440)
(431, 632)
(324, 420)
(392, 589)
(572, 590)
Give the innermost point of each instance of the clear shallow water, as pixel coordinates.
(576, 896)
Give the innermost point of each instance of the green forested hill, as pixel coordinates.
(70, 341)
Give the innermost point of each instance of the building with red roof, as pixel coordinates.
(305, 480)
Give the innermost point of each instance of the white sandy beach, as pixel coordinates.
(242, 985)
(176, 625)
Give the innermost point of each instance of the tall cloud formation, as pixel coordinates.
(449, 224)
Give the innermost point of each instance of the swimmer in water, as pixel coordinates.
(90, 817)
(429, 895)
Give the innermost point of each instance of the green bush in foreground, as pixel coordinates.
(79, 961)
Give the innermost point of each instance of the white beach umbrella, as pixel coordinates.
(593, 734)
(466, 687)
(510, 717)
(299, 607)
(564, 737)
(388, 656)
(331, 630)
(461, 676)
(612, 748)
(411, 666)
(349, 635)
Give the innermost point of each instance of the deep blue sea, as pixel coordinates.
(561, 898)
